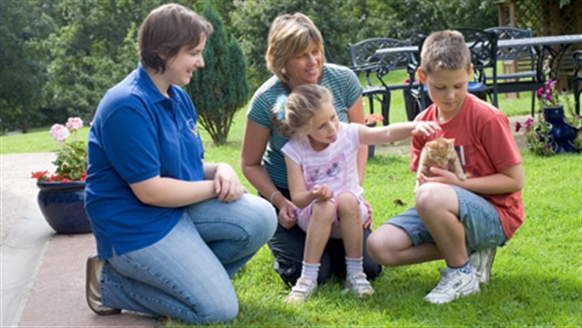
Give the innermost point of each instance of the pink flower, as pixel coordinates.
(548, 95)
(59, 132)
(552, 83)
(529, 122)
(71, 161)
(74, 123)
(517, 126)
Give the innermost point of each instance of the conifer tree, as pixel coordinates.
(220, 88)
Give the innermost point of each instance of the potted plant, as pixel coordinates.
(61, 197)
(372, 120)
(552, 131)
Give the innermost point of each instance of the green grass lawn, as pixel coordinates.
(536, 278)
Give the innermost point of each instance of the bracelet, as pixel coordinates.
(273, 195)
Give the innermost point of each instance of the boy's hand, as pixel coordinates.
(322, 192)
(438, 175)
(425, 128)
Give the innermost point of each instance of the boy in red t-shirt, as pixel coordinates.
(462, 222)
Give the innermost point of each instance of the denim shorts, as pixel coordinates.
(479, 217)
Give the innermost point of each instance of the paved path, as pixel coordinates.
(42, 273)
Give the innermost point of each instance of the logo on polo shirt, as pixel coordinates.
(192, 126)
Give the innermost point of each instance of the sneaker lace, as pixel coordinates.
(445, 279)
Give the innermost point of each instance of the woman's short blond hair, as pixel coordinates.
(445, 50)
(290, 36)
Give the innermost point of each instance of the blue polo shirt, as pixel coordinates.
(138, 133)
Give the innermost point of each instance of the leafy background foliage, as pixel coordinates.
(58, 57)
(220, 88)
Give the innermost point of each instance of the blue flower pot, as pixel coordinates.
(63, 206)
(561, 134)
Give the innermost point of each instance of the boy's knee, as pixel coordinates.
(379, 249)
(423, 194)
(374, 245)
(428, 195)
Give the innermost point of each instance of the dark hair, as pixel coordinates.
(166, 30)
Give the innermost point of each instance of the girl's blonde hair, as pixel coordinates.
(290, 36)
(292, 115)
(445, 50)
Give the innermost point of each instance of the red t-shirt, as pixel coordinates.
(485, 146)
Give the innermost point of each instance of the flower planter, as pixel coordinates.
(63, 206)
(561, 133)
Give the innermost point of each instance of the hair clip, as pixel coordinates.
(280, 107)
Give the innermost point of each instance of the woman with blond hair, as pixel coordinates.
(295, 56)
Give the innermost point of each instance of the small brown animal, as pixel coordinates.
(440, 153)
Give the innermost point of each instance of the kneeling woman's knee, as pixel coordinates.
(217, 310)
(265, 216)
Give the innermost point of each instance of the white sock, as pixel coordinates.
(354, 265)
(310, 271)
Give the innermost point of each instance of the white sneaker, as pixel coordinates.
(359, 285)
(481, 262)
(453, 284)
(302, 290)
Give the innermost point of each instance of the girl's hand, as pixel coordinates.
(227, 185)
(322, 192)
(425, 128)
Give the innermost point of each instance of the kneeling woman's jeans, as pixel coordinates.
(186, 275)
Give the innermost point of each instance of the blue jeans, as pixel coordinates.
(186, 275)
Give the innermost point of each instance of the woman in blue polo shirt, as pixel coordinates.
(171, 228)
